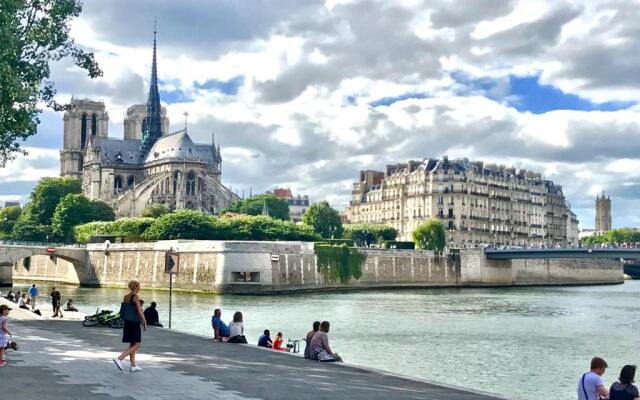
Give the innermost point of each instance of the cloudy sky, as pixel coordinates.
(304, 93)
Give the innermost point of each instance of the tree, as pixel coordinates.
(76, 209)
(33, 33)
(154, 211)
(430, 236)
(8, 218)
(369, 233)
(276, 207)
(45, 198)
(324, 220)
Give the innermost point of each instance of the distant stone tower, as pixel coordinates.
(603, 213)
(85, 119)
(133, 122)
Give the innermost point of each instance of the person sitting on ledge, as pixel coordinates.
(624, 389)
(151, 315)
(10, 296)
(307, 339)
(70, 306)
(220, 329)
(277, 344)
(22, 302)
(236, 329)
(265, 339)
(17, 298)
(320, 349)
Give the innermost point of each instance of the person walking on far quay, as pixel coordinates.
(590, 385)
(33, 294)
(624, 389)
(56, 302)
(131, 312)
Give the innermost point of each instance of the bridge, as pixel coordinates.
(520, 254)
(12, 252)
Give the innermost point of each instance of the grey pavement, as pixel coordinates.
(62, 359)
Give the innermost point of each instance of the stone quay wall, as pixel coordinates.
(278, 267)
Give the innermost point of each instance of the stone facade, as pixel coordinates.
(149, 166)
(573, 229)
(298, 205)
(603, 213)
(278, 267)
(478, 203)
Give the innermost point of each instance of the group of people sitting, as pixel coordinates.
(591, 386)
(317, 340)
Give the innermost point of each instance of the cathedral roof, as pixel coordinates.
(179, 146)
(114, 151)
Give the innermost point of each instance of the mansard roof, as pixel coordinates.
(179, 146)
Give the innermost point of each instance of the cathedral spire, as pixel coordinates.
(152, 123)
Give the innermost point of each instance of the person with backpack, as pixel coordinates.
(590, 385)
(133, 316)
(56, 302)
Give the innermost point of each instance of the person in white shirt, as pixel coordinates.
(590, 385)
(236, 329)
(22, 302)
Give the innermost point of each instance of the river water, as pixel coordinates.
(521, 343)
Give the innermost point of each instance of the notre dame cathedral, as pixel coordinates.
(148, 166)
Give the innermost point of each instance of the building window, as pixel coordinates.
(83, 131)
(245, 277)
(117, 183)
(191, 183)
(131, 181)
(94, 125)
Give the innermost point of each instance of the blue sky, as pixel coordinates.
(306, 94)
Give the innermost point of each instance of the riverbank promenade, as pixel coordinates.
(62, 359)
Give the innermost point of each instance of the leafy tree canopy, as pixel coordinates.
(613, 237)
(8, 218)
(154, 211)
(430, 236)
(324, 220)
(276, 207)
(33, 33)
(75, 209)
(131, 227)
(45, 198)
(181, 224)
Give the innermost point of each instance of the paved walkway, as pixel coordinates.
(61, 359)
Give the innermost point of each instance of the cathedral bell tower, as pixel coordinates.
(85, 119)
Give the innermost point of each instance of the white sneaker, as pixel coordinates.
(118, 363)
(135, 369)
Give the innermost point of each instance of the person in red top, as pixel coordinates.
(277, 344)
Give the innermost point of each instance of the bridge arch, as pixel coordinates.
(10, 254)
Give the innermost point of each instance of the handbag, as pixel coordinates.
(128, 311)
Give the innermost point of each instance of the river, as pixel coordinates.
(521, 343)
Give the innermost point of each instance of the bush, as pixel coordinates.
(254, 205)
(132, 227)
(182, 224)
(154, 211)
(365, 234)
(339, 242)
(262, 228)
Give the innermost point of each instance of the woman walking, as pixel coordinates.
(131, 312)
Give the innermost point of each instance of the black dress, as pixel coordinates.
(131, 333)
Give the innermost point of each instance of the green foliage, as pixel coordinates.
(45, 198)
(187, 224)
(123, 227)
(254, 205)
(392, 244)
(339, 242)
(154, 211)
(262, 228)
(75, 209)
(30, 231)
(364, 234)
(324, 220)
(8, 218)
(339, 263)
(430, 236)
(612, 237)
(32, 35)
(182, 224)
